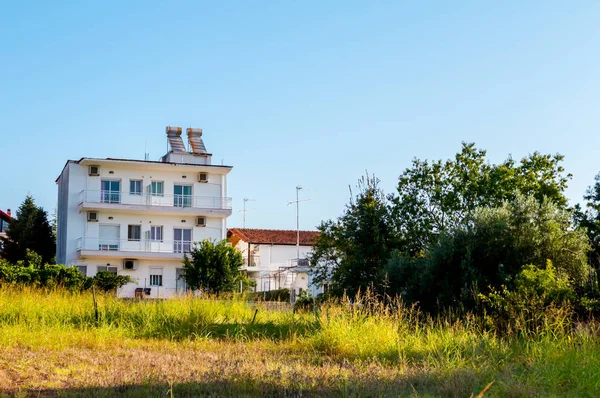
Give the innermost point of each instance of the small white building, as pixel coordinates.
(272, 260)
(138, 217)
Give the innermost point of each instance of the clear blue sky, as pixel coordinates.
(310, 93)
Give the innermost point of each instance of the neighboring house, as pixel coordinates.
(271, 258)
(4, 220)
(138, 217)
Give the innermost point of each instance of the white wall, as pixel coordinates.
(75, 222)
(141, 275)
(271, 257)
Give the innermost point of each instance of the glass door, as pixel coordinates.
(182, 240)
(180, 284)
(110, 191)
(183, 196)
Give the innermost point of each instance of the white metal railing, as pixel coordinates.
(143, 245)
(150, 199)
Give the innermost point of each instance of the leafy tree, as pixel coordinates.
(589, 218)
(54, 222)
(351, 251)
(30, 230)
(214, 267)
(110, 282)
(438, 196)
(490, 252)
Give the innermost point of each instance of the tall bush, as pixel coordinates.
(214, 267)
(490, 253)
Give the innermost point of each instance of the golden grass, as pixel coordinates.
(52, 345)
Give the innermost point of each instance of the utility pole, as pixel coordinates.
(297, 202)
(245, 210)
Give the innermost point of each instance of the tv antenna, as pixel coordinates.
(246, 200)
(297, 202)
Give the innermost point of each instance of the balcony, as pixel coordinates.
(124, 248)
(252, 264)
(145, 202)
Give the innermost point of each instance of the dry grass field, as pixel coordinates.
(52, 345)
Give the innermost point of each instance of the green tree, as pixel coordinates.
(589, 219)
(30, 230)
(110, 282)
(214, 267)
(437, 196)
(490, 252)
(351, 251)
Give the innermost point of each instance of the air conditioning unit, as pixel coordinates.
(94, 171)
(201, 221)
(129, 264)
(203, 177)
(92, 216)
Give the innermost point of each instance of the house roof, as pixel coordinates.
(141, 161)
(5, 216)
(271, 236)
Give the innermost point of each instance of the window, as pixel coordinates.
(135, 187)
(157, 188)
(3, 225)
(156, 233)
(183, 196)
(109, 237)
(110, 191)
(82, 269)
(156, 277)
(182, 240)
(112, 270)
(134, 232)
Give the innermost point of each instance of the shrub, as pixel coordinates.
(304, 302)
(271, 295)
(539, 296)
(107, 281)
(52, 276)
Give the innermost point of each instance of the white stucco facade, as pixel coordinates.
(146, 212)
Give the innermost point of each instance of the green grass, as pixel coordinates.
(52, 344)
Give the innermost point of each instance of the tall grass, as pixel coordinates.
(555, 359)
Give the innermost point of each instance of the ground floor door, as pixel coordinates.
(180, 285)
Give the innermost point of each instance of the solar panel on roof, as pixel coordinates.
(195, 139)
(175, 140)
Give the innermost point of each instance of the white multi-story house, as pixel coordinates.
(274, 260)
(138, 217)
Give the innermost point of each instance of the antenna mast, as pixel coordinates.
(297, 202)
(246, 200)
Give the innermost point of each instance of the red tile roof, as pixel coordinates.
(272, 236)
(5, 216)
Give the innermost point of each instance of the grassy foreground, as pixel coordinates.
(51, 344)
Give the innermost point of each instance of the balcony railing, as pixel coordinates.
(149, 199)
(254, 261)
(145, 245)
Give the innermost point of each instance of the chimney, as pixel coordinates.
(195, 140)
(8, 212)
